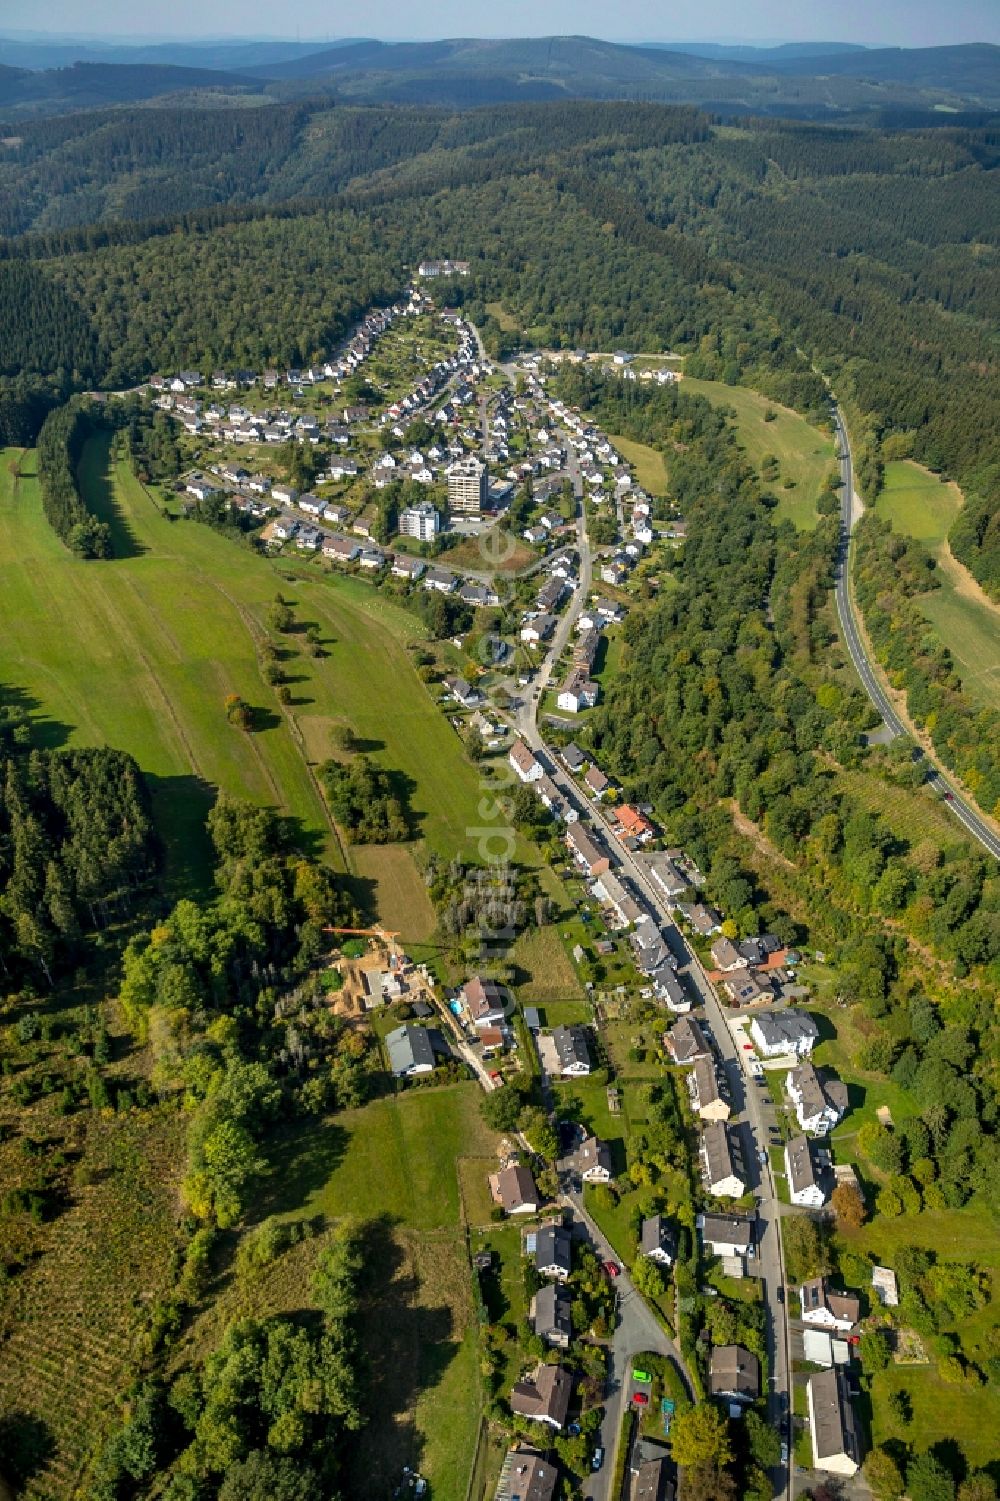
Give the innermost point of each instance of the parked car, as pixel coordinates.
(597, 1460)
(612, 1268)
(784, 1453)
(640, 1399)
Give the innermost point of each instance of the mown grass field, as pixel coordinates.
(922, 506)
(140, 653)
(805, 454)
(650, 469)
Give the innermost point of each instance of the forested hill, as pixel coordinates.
(87, 85)
(875, 252)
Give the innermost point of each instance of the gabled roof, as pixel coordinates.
(727, 1229)
(571, 1045)
(734, 1371)
(657, 1235)
(832, 1420)
(845, 1307)
(801, 1172)
(544, 1396)
(516, 1188)
(553, 1310)
(554, 1247)
(409, 1047)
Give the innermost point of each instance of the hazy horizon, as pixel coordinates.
(893, 23)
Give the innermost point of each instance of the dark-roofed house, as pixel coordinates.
(734, 1373)
(544, 1397)
(411, 1051)
(572, 757)
(833, 1427)
(485, 1001)
(726, 1234)
(551, 1315)
(706, 1091)
(722, 1162)
(657, 1240)
(787, 1031)
(554, 1252)
(513, 1188)
(526, 1476)
(825, 1307)
(571, 1051)
(804, 1187)
(592, 1160)
(652, 1472)
(819, 1104)
(686, 1041)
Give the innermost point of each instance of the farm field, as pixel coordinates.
(648, 463)
(140, 653)
(805, 454)
(395, 1163)
(922, 506)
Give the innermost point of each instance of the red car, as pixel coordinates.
(612, 1268)
(640, 1399)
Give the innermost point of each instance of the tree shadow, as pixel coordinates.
(100, 501)
(44, 733)
(181, 806)
(26, 1443)
(301, 1160)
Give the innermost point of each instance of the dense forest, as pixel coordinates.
(60, 447)
(872, 252)
(716, 706)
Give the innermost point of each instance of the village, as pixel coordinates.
(469, 450)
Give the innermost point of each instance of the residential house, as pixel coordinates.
(708, 1096)
(657, 1240)
(372, 558)
(734, 1373)
(440, 580)
(596, 782)
(341, 549)
(404, 567)
(744, 988)
(585, 849)
(726, 956)
(523, 761)
(819, 1103)
(634, 825)
(411, 1051)
(704, 920)
(776, 1033)
(571, 1051)
(613, 893)
(526, 1476)
(551, 1315)
(513, 1188)
(309, 539)
(538, 628)
(550, 595)
(544, 1397)
(485, 1001)
(572, 758)
(578, 692)
(666, 875)
(592, 1160)
(833, 1426)
(284, 527)
(284, 495)
(727, 1235)
(463, 693)
(652, 1472)
(722, 1161)
(686, 1042)
(826, 1308)
(554, 1252)
(804, 1187)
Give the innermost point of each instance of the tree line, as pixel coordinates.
(60, 448)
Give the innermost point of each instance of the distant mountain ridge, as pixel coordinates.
(791, 80)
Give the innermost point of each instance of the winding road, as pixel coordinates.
(850, 512)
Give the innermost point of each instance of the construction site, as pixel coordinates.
(383, 973)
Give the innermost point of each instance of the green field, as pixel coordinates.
(922, 506)
(805, 454)
(650, 470)
(396, 1162)
(140, 653)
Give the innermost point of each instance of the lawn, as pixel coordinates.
(942, 1413)
(805, 454)
(545, 970)
(922, 506)
(140, 653)
(650, 469)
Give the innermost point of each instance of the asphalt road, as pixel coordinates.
(966, 814)
(756, 1109)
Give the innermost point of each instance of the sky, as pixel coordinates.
(909, 23)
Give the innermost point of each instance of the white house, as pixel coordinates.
(776, 1033)
(819, 1104)
(524, 763)
(833, 1427)
(726, 1234)
(804, 1188)
(826, 1308)
(722, 1162)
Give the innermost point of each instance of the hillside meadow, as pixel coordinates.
(921, 505)
(141, 652)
